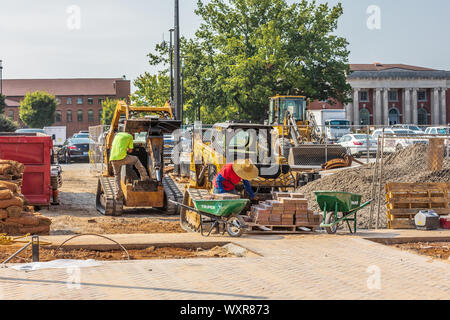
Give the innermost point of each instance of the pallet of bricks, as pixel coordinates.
(288, 212)
(405, 200)
(16, 217)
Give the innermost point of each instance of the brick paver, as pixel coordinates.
(289, 267)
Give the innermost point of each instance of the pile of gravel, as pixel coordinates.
(408, 165)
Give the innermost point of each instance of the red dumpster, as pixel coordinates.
(34, 151)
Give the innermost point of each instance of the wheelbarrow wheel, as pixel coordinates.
(235, 226)
(329, 219)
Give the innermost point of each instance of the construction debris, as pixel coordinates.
(408, 165)
(16, 217)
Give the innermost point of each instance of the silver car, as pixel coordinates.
(357, 144)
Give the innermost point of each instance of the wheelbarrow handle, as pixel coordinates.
(185, 206)
(362, 206)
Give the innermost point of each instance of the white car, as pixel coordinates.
(437, 130)
(395, 139)
(357, 144)
(411, 127)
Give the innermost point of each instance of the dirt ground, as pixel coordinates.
(76, 213)
(47, 254)
(436, 250)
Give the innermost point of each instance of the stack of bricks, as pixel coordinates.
(288, 209)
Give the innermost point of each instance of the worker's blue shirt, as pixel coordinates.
(248, 188)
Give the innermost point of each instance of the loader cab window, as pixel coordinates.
(296, 106)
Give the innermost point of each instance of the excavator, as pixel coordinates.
(147, 125)
(225, 143)
(300, 138)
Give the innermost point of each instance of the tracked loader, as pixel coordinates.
(147, 125)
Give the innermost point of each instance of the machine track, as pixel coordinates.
(171, 192)
(106, 201)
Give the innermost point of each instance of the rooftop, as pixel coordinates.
(383, 71)
(61, 87)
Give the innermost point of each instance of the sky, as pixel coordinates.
(111, 38)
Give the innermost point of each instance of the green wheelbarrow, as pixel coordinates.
(338, 207)
(220, 212)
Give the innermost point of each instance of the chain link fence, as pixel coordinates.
(97, 137)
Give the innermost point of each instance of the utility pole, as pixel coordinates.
(182, 90)
(177, 97)
(171, 65)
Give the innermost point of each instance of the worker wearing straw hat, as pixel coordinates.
(232, 174)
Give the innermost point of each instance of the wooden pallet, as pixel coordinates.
(253, 227)
(405, 200)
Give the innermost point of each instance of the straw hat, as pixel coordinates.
(245, 169)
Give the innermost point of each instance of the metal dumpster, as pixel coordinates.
(34, 151)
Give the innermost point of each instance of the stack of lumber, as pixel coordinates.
(405, 200)
(287, 210)
(16, 217)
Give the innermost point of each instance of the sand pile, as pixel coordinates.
(16, 217)
(408, 165)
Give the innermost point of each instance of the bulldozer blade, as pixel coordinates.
(314, 155)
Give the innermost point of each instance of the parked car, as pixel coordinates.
(396, 139)
(31, 130)
(414, 128)
(357, 144)
(437, 130)
(74, 148)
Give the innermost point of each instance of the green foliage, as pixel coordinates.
(37, 109)
(2, 104)
(152, 90)
(108, 108)
(246, 51)
(7, 125)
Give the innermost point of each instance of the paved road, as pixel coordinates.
(286, 267)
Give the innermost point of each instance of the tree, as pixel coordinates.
(2, 104)
(7, 125)
(37, 109)
(248, 50)
(151, 90)
(108, 107)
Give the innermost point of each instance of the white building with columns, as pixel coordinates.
(388, 94)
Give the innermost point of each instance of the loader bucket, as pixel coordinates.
(314, 155)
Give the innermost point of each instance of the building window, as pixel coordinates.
(90, 101)
(364, 96)
(393, 95)
(394, 117)
(11, 114)
(91, 116)
(69, 115)
(364, 116)
(101, 100)
(422, 95)
(100, 115)
(69, 100)
(58, 116)
(58, 101)
(80, 101)
(422, 117)
(80, 115)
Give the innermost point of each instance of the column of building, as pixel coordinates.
(435, 118)
(407, 106)
(378, 113)
(356, 106)
(386, 106)
(443, 106)
(415, 114)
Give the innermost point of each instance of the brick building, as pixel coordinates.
(79, 100)
(387, 94)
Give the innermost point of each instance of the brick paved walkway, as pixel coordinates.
(290, 267)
